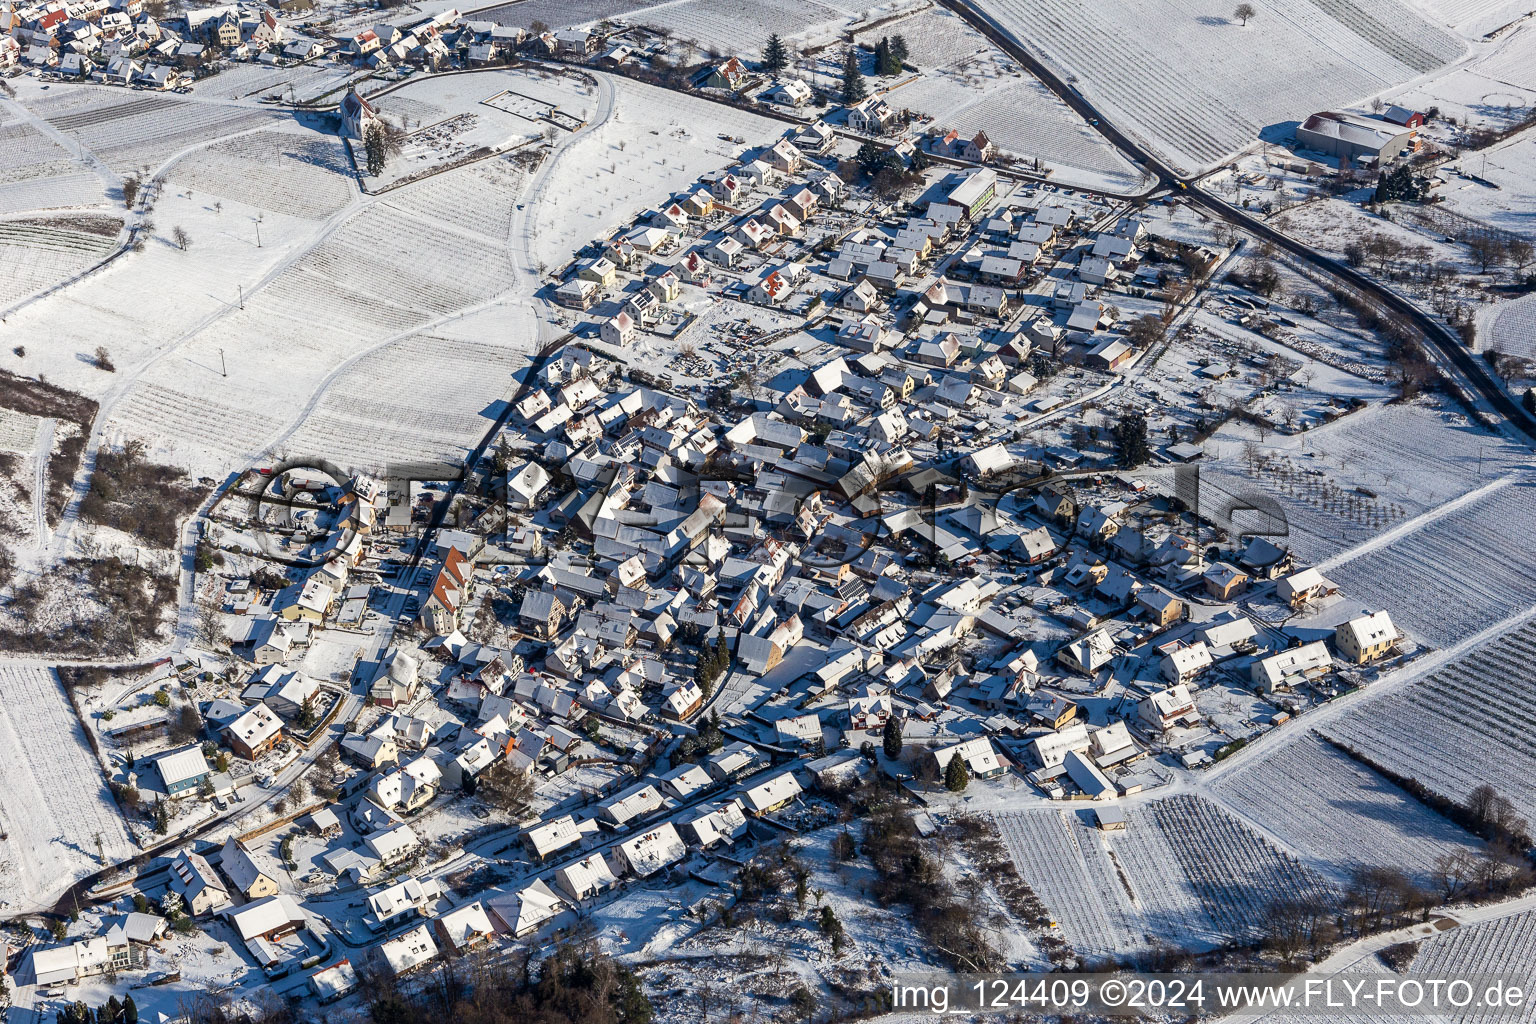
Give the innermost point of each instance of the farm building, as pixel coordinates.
(1353, 138)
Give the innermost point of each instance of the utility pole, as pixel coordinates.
(223, 370)
(242, 295)
(258, 231)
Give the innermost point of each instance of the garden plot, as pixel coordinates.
(1338, 813)
(305, 175)
(34, 256)
(56, 808)
(1061, 858)
(1197, 86)
(1458, 573)
(1236, 874)
(1468, 722)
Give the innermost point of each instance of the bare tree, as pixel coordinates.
(1244, 12)
(180, 237)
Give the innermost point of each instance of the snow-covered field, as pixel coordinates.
(136, 131)
(1473, 17)
(652, 144)
(1184, 872)
(1412, 458)
(1505, 945)
(297, 298)
(1467, 723)
(34, 255)
(1196, 85)
(1062, 859)
(967, 85)
(1338, 813)
(1236, 873)
(56, 805)
(1458, 573)
(1514, 328)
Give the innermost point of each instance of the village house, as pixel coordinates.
(254, 733)
(1363, 639)
(1167, 709)
(193, 879)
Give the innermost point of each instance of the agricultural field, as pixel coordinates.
(426, 399)
(304, 175)
(740, 26)
(1472, 17)
(1338, 813)
(27, 154)
(57, 807)
(1514, 328)
(134, 131)
(36, 254)
(967, 85)
(1059, 855)
(1345, 483)
(1169, 904)
(1510, 165)
(1469, 721)
(652, 144)
(1236, 874)
(1196, 85)
(1457, 574)
(558, 14)
(1506, 945)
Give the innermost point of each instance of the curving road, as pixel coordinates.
(1444, 344)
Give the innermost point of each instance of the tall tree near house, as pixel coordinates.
(373, 149)
(853, 78)
(1244, 12)
(890, 739)
(1131, 439)
(956, 776)
(775, 54)
(899, 49)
